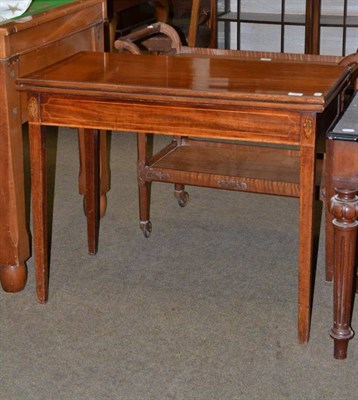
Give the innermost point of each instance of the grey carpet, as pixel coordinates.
(203, 309)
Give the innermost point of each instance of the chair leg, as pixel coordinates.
(144, 186)
(112, 31)
(91, 144)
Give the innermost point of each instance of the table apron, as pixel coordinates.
(271, 126)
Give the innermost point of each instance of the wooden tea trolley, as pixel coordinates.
(277, 104)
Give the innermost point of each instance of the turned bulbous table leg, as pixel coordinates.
(344, 208)
(13, 277)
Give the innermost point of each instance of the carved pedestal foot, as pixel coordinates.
(340, 349)
(13, 277)
(341, 338)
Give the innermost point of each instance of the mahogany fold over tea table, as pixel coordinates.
(273, 103)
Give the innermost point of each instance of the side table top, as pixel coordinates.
(208, 80)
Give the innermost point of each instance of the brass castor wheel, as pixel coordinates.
(182, 196)
(146, 227)
(102, 205)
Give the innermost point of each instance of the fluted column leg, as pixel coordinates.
(344, 208)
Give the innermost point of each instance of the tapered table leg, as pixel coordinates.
(37, 139)
(344, 208)
(307, 184)
(91, 142)
(104, 170)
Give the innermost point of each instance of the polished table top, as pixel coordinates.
(302, 86)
